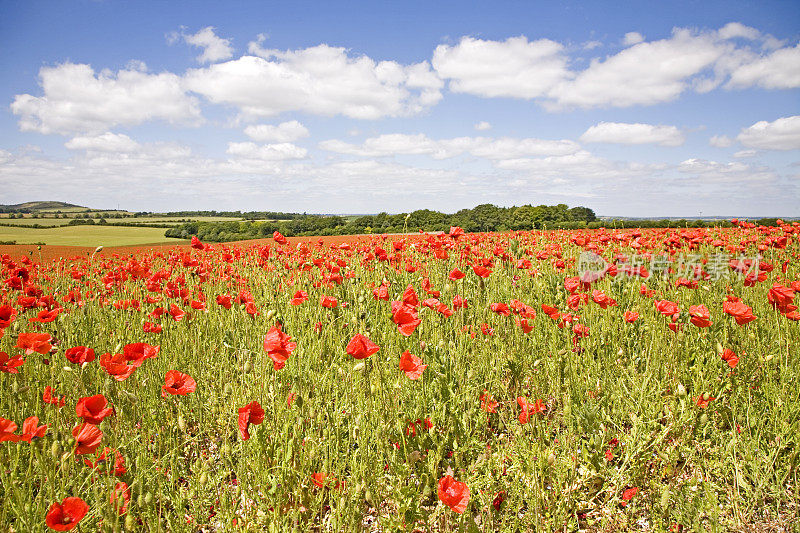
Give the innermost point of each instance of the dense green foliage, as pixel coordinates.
(485, 217)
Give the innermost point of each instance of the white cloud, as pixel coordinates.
(781, 134)
(214, 48)
(266, 152)
(420, 144)
(580, 165)
(643, 73)
(632, 38)
(732, 173)
(622, 133)
(284, 132)
(720, 141)
(76, 100)
(107, 142)
(591, 45)
(778, 70)
(743, 154)
(512, 68)
(733, 30)
(483, 126)
(322, 80)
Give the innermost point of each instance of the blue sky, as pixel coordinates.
(646, 109)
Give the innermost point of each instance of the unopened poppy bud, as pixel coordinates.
(719, 348)
(703, 419)
(228, 390)
(248, 367)
(118, 348)
(130, 522)
(203, 478)
(23, 390)
(84, 364)
(68, 369)
(358, 367)
(706, 396)
(270, 314)
(551, 459)
(55, 450)
(681, 390)
(181, 422)
(148, 498)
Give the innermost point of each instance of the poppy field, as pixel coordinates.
(447, 382)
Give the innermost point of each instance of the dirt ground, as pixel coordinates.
(48, 253)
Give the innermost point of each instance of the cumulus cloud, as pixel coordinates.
(720, 141)
(513, 68)
(777, 70)
(622, 133)
(77, 100)
(420, 144)
(107, 142)
(781, 134)
(322, 80)
(214, 48)
(266, 152)
(632, 38)
(643, 73)
(284, 132)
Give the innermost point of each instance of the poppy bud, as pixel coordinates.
(118, 348)
(181, 422)
(703, 419)
(228, 390)
(665, 498)
(130, 522)
(203, 478)
(358, 367)
(248, 367)
(719, 348)
(551, 459)
(55, 450)
(270, 314)
(706, 396)
(681, 390)
(148, 498)
(23, 390)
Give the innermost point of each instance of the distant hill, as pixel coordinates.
(35, 207)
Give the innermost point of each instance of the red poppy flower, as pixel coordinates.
(700, 316)
(455, 232)
(278, 346)
(32, 430)
(453, 494)
(49, 397)
(628, 494)
(93, 409)
(412, 365)
(65, 516)
(741, 312)
(87, 438)
(528, 409)
(299, 298)
(321, 480)
(224, 300)
(9, 364)
(34, 342)
(7, 315)
(328, 301)
(455, 274)
(79, 355)
(176, 312)
(252, 413)
(481, 271)
(121, 497)
(602, 299)
(667, 308)
(360, 347)
(117, 366)
(149, 327)
(137, 352)
(630, 316)
(7, 429)
(730, 357)
(410, 297)
(459, 302)
(178, 383)
(196, 244)
(119, 461)
(488, 403)
(381, 293)
(280, 239)
(500, 309)
(703, 402)
(523, 324)
(405, 317)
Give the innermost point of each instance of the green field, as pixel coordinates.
(85, 235)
